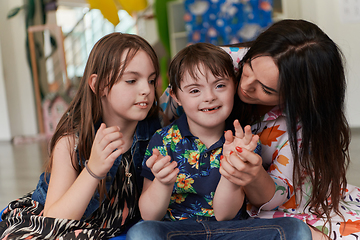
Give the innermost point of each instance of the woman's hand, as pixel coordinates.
(241, 166)
(107, 146)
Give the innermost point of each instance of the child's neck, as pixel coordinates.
(208, 136)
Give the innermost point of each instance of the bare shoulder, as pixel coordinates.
(64, 150)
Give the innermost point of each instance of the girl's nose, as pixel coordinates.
(145, 88)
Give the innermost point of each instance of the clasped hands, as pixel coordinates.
(239, 164)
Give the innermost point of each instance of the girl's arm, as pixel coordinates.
(69, 193)
(155, 196)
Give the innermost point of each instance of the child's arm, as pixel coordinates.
(156, 194)
(69, 193)
(229, 197)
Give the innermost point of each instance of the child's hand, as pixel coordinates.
(163, 170)
(241, 140)
(107, 146)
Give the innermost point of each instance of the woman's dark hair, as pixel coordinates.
(189, 59)
(312, 91)
(105, 60)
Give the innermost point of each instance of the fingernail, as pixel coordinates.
(239, 149)
(221, 157)
(231, 152)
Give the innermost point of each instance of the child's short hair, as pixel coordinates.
(192, 57)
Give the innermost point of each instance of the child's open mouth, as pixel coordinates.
(209, 109)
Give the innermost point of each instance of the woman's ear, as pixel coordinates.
(92, 81)
(173, 96)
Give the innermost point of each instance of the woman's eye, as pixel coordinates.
(130, 81)
(266, 91)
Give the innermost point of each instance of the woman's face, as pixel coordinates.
(259, 82)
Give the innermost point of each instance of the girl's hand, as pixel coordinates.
(163, 170)
(107, 146)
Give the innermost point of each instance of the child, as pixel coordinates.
(97, 149)
(188, 151)
(183, 169)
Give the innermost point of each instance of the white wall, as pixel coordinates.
(327, 14)
(17, 79)
(4, 117)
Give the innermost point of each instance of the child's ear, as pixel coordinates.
(173, 95)
(92, 81)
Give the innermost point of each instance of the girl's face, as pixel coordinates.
(259, 82)
(132, 96)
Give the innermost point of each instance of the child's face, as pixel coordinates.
(132, 96)
(207, 101)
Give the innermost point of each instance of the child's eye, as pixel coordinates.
(152, 81)
(130, 81)
(194, 91)
(220, 86)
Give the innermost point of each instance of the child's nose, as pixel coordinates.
(145, 89)
(210, 96)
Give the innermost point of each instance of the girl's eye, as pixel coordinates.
(130, 81)
(152, 81)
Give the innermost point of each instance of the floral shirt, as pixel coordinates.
(199, 175)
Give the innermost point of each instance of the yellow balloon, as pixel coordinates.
(108, 9)
(133, 5)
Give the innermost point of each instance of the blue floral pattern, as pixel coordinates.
(226, 21)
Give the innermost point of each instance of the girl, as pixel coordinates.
(91, 185)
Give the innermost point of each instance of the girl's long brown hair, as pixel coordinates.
(85, 109)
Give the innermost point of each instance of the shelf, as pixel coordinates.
(177, 32)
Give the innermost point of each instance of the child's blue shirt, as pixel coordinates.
(199, 175)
